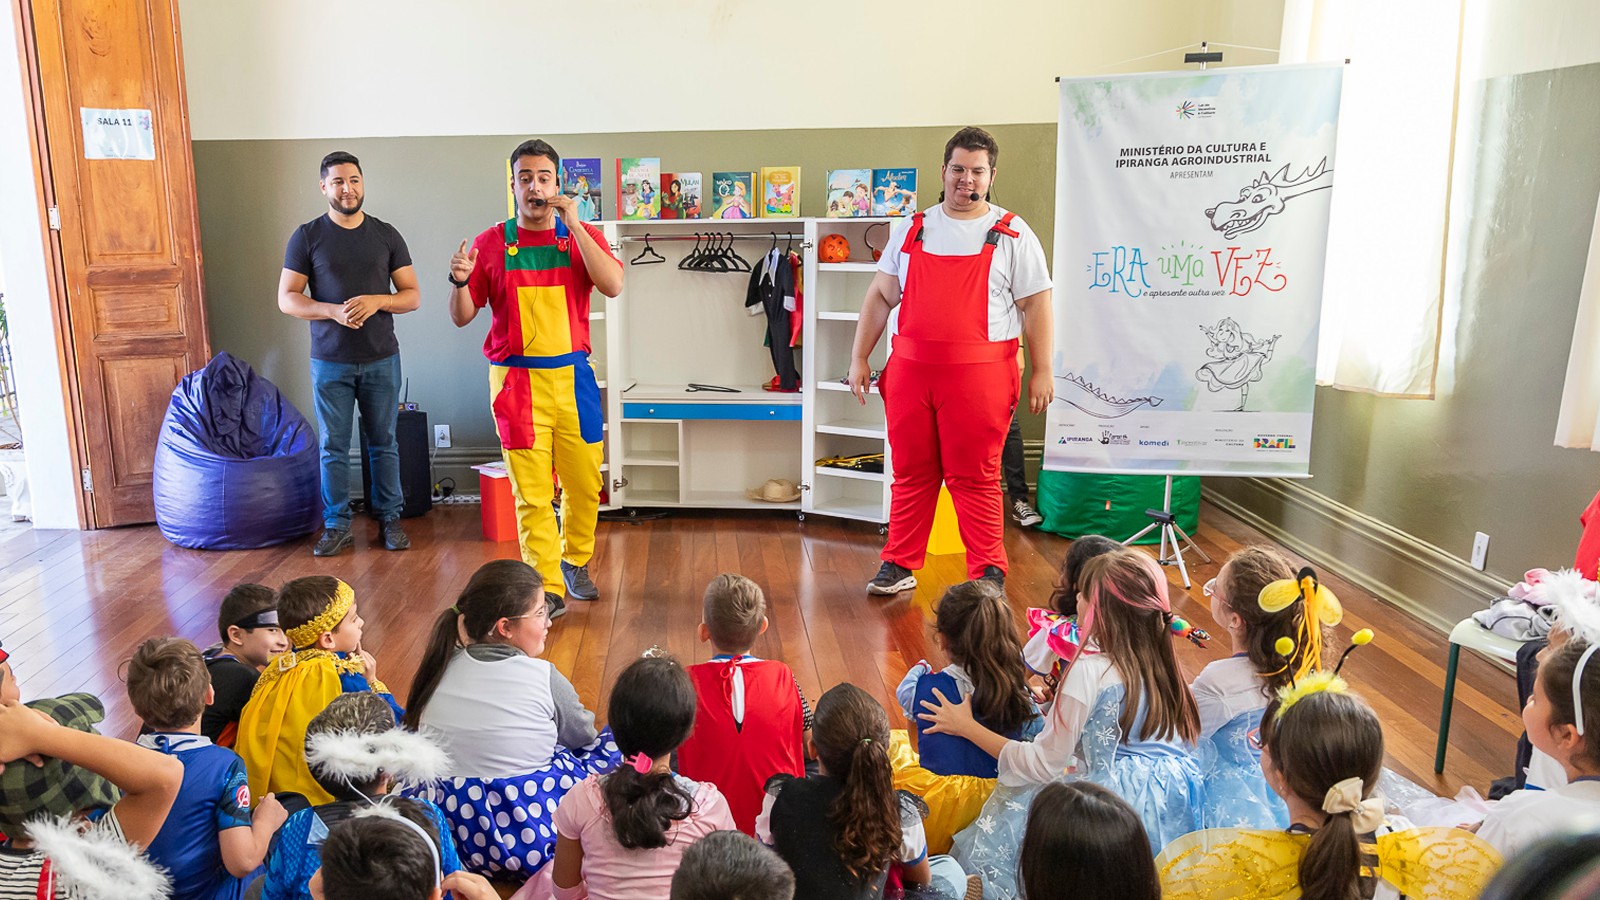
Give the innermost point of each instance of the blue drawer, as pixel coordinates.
(748, 412)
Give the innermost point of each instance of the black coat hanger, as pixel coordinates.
(648, 256)
(689, 260)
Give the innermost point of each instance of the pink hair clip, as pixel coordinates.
(641, 763)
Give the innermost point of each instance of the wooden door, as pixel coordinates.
(128, 244)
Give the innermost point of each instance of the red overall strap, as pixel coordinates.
(913, 234)
(1004, 227)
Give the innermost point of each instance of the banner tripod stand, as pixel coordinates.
(1170, 531)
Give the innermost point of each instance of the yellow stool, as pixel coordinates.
(945, 537)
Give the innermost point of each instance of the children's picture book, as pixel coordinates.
(733, 195)
(581, 180)
(639, 188)
(680, 195)
(894, 192)
(780, 192)
(849, 193)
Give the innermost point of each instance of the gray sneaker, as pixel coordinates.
(579, 585)
(333, 542)
(891, 579)
(1023, 513)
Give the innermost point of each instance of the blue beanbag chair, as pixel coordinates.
(236, 463)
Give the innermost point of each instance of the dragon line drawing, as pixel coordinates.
(1265, 197)
(1078, 392)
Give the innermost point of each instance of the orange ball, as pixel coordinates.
(835, 249)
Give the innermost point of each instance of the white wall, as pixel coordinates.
(1509, 37)
(385, 68)
(40, 397)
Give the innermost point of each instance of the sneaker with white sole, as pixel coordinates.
(891, 579)
(579, 585)
(1024, 514)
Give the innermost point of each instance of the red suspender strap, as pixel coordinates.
(47, 881)
(1003, 227)
(913, 234)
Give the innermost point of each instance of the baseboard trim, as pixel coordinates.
(1398, 568)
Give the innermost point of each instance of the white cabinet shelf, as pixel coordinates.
(836, 472)
(833, 316)
(847, 267)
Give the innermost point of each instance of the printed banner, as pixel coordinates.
(1191, 233)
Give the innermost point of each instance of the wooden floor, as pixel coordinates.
(73, 605)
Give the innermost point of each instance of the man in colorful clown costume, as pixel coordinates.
(535, 272)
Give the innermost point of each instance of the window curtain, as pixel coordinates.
(1383, 292)
(1578, 423)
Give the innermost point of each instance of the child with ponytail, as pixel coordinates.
(1053, 633)
(842, 831)
(1322, 751)
(621, 835)
(1123, 708)
(517, 734)
(1231, 693)
(974, 630)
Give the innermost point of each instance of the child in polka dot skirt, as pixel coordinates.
(517, 734)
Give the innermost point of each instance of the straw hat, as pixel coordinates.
(776, 490)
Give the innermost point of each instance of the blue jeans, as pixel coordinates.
(340, 389)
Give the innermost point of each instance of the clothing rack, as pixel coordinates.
(721, 235)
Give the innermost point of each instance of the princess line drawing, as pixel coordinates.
(1236, 359)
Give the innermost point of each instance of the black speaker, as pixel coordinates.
(416, 476)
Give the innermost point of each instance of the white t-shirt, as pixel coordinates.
(1017, 270)
(1522, 817)
(1223, 690)
(1050, 755)
(504, 718)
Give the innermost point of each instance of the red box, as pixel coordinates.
(499, 508)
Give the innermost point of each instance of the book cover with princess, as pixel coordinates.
(734, 195)
(780, 192)
(639, 188)
(680, 195)
(894, 192)
(581, 180)
(849, 194)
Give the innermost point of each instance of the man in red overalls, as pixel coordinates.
(968, 279)
(535, 272)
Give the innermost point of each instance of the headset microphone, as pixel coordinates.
(976, 196)
(539, 201)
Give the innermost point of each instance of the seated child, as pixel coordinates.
(974, 631)
(1322, 752)
(325, 660)
(1123, 718)
(390, 852)
(730, 865)
(1085, 842)
(842, 831)
(9, 689)
(358, 756)
(248, 623)
(54, 770)
(517, 734)
(751, 718)
(1575, 598)
(1563, 719)
(210, 840)
(1053, 632)
(1231, 693)
(620, 836)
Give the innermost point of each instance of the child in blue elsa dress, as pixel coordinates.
(1123, 718)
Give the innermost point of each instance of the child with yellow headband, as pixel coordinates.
(325, 659)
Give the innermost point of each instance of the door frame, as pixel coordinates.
(44, 192)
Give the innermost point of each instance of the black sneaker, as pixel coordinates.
(579, 585)
(1024, 514)
(558, 607)
(993, 573)
(891, 579)
(333, 542)
(394, 537)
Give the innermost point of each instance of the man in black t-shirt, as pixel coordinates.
(337, 274)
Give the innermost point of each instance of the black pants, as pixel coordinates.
(1527, 671)
(1016, 479)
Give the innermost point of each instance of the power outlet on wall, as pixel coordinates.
(1480, 550)
(441, 437)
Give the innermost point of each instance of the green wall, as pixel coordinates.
(439, 191)
(1480, 457)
